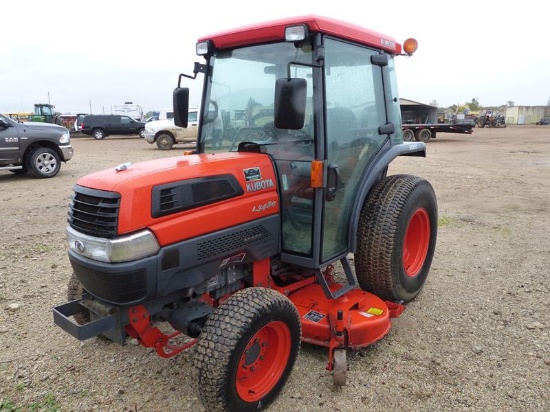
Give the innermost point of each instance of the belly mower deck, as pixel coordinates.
(353, 320)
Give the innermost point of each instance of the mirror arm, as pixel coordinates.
(199, 68)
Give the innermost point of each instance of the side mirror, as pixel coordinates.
(4, 124)
(181, 106)
(290, 103)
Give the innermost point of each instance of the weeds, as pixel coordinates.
(444, 221)
(48, 404)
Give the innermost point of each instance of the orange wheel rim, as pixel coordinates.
(263, 361)
(417, 240)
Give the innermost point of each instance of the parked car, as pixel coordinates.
(165, 133)
(102, 125)
(166, 114)
(151, 119)
(37, 148)
(544, 121)
(78, 121)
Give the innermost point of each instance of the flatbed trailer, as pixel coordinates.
(425, 132)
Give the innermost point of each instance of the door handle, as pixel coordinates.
(333, 182)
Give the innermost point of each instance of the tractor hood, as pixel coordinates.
(191, 194)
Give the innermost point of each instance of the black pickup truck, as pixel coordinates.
(37, 148)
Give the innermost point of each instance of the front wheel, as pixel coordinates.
(43, 163)
(396, 238)
(141, 133)
(247, 350)
(165, 142)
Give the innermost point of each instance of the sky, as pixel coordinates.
(87, 56)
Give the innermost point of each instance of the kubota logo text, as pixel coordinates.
(259, 185)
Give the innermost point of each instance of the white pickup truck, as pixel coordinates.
(166, 134)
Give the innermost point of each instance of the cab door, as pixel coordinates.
(355, 112)
(126, 125)
(346, 115)
(9, 142)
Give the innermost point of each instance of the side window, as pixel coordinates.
(126, 120)
(192, 117)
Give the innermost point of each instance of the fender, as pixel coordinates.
(375, 172)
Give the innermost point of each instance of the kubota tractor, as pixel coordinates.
(241, 249)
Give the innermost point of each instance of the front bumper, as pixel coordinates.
(124, 284)
(149, 136)
(67, 152)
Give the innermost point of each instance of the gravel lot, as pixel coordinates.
(475, 339)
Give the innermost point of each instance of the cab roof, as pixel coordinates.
(274, 30)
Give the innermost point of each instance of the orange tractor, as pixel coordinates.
(241, 248)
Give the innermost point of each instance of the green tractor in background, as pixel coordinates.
(44, 113)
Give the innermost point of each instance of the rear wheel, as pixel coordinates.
(408, 135)
(165, 142)
(43, 163)
(423, 135)
(396, 237)
(98, 134)
(246, 350)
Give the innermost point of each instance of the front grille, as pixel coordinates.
(94, 212)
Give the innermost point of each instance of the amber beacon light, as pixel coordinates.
(410, 46)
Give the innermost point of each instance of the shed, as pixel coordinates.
(417, 113)
(526, 114)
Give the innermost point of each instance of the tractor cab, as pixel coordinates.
(325, 108)
(44, 113)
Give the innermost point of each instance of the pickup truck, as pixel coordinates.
(166, 134)
(37, 148)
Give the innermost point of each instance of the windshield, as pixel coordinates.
(241, 92)
(7, 119)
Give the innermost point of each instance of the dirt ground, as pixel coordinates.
(475, 339)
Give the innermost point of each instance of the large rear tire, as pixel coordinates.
(396, 238)
(246, 350)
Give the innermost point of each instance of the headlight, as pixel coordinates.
(65, 138)
(123, 249)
